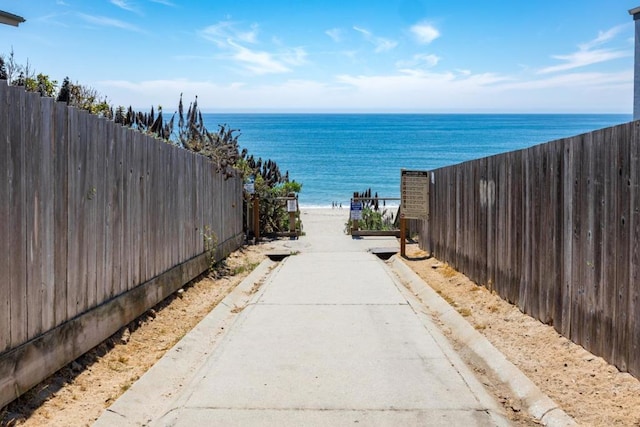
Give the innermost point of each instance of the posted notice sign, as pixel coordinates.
(356, 210)
(414, 194)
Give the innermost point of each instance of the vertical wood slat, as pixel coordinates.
(5, 210)
(623, 244)
(596, 226)
(34, 213)
(110, 190)
(47, 202)
(90, 199)
(633, 349)
(608, 277)
(101, 236)
(61, 194)
(17, 239)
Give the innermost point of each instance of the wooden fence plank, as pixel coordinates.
(61, 194)
(81, 193)
(568, 188)
(18, 237)
(553, 268)
(577, 242)
(592, 241)
(609, 222)
(110, 190)
(129, 210)
(526, 302)
(89, 137)
(101, 236)
(517, 218)
(622, 338)
(34, 214)
(47, 205)
(5, 212)
(143, 209)
(120, 214)
(597, 228)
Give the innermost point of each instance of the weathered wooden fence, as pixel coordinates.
(97, 223)
(554, 229)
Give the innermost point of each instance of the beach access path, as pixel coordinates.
(328, 336)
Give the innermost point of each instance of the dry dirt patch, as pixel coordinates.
(78, 393)
(589, 389)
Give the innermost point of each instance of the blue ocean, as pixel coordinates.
(333, 155)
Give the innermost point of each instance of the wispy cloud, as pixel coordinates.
(104, 21)
(163, 2)
(61, 3)
(53, 19)
(239, 42)
(125, 5)
(603, 37)
(226, 32)
(335, 34)
(587, 54)
(258, 62)
(421, 60)
(381, 44)
(424, 33)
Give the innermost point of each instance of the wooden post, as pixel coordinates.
(256, 217)
(354, 222)
(403, 237)
(292, 222)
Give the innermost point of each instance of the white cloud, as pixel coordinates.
(587, 55)
(258, 62)
(381, 44)
(123, 4)
(226, 32)
(604, 36)
(335, 34)
(109, 22)
(421, 60)
(407, 90)
(234, 41)
(163, 2)
(425, 33)
(582, 58)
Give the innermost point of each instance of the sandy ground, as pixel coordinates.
(585, 386)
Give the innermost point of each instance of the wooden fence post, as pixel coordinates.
(256, 217)
(403, 237)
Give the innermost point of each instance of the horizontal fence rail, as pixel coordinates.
(93, 216)
(554, 229)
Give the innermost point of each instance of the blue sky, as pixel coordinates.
(350, 55)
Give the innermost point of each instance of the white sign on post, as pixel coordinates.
(292, 206)
(356, 211)
(414, 193)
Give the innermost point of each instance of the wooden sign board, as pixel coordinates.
(414, 194)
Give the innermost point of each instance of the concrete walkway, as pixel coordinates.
(329, 339)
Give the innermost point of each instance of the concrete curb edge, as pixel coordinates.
(539, 405)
